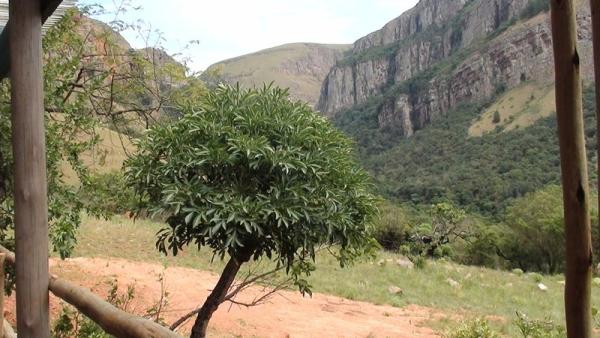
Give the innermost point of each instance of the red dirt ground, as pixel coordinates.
(285, 315)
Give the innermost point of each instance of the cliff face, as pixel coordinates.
(442, 53)
(302, 67)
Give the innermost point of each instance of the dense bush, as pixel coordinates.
(392, 228)
(108, 194)
(537, 231)
(441, 163)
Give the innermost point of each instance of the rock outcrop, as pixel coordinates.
(442, 53)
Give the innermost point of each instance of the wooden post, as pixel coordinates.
(2, 258)
(595, 8)
(573, 169)
(29, 151)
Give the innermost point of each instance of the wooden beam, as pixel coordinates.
(47, 7)
(573, 170)
(29, 152)
(113, 321)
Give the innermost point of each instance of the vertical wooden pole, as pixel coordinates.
(573, 169)
(29, 150)
(2, 258)
(595, 8)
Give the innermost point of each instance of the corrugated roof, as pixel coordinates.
(60, 11)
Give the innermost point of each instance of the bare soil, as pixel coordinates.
(287, 314)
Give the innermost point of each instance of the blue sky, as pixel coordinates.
(229, 28)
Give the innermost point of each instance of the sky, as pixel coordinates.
(224, 29)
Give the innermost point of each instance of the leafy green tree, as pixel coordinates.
(537, 237)
(250, 174)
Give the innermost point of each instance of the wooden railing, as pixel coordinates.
(111, 319)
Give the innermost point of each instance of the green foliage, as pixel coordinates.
(61, 141)
(446, 226)
(108, 193)
(496, 117)
(392, 228)
(537, 231)
(517, 271)
(250, 173)
(72, 324)
(442, 163)
(478, 328)
(538, 328)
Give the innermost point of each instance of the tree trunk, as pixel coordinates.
(573, 170)
(217, 296)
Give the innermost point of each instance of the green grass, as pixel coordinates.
(482, 292)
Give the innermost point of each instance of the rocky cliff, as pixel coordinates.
(302, 67)
(442, 53)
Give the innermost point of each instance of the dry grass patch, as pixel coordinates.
(517, 108)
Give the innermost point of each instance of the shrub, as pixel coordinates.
(538, 328)
(108, 194)
(478, 328)
(392, 229)
(420, 262)
(536, 277)
(496, 117)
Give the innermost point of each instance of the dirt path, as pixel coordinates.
(287, 315)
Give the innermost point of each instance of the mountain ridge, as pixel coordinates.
(439, 60)
(300, 66)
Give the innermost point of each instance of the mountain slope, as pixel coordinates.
(420, 97)
(443, 53)
(302, 67)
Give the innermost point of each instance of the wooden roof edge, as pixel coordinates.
(48, 8)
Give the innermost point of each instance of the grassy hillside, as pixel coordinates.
(479, 292)
(518, 108)
(302, 67)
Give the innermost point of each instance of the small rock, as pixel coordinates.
(394, 290)
(468, 276)
(596, 281)
(404, 263)
(542, 287)
(381, 262)
(453, 283)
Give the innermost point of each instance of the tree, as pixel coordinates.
(537, 234)
(250, 174)
(496, 117)
(446, 226)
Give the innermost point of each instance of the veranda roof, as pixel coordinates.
(52, 11)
